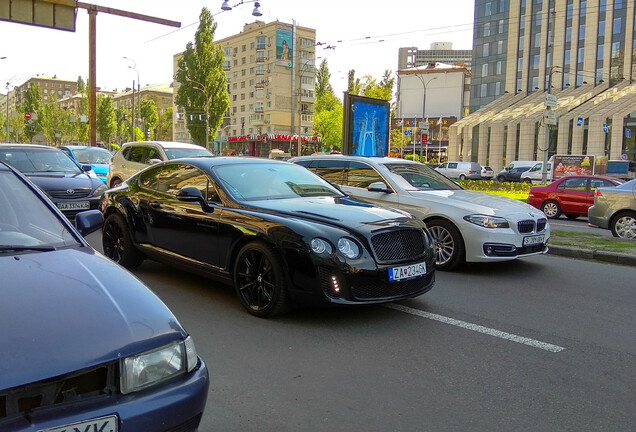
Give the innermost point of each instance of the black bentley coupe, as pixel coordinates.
(279, 233)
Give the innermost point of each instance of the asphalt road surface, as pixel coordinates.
(577, 225)
(541, 344)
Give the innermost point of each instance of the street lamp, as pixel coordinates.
(7, 101)
(226, 7)
(134, 117)
(424, 85)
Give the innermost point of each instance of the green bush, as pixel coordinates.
(514, 190)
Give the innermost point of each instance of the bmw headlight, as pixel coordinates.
(99, 190)
(152, 367)
(319, 246)
(487, 221)
(348, 248)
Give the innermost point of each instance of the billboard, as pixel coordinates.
(565, 165)
(40, 13)
(365, 126)
(283, 46)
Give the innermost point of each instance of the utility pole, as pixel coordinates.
(546, 144)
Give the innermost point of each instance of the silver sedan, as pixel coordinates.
(615, 209)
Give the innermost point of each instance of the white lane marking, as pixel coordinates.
(481, 329)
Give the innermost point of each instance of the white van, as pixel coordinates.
(535, 174)
(460, 170)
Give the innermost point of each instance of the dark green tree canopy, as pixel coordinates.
(202, 81)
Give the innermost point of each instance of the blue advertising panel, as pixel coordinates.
(283, 46)
(366, 126)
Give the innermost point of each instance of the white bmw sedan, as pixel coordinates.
(467, 226)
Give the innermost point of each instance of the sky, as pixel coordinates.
(366, 35)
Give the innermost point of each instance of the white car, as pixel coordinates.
(135, 156)
(467, 226)
(487, 172)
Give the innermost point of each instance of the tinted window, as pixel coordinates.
(422, 177)
(169, 179)
(331, 170)
(33, 161)
(574, 183)
(153, 153)
(362, 175)
(597, 183)
(452, 165)
(136, 154)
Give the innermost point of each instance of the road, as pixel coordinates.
(540, 344)
(577, 225)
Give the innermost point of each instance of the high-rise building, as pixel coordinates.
(270, 70)
(581, 51)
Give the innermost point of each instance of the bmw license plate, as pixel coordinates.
(80, 205)
(407, 272)
(101, 424)
(533, 240)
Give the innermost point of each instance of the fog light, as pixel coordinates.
(334, 285)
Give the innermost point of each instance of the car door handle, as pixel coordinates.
(155, 204)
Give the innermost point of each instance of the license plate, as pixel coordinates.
(533, 240)
(407, 272)
(81, 205)
(101, 424)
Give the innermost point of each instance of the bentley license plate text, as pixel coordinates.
(407, 272)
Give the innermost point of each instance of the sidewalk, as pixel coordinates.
(593, 255)
(593, 247)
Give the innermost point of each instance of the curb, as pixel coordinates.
(593, 255)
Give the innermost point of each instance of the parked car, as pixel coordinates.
(571, 195)
(279, 233)
(460, 170)
(96, 157)
(86, 346)
(615, 209)
(135, 156)
(65, 182)
(487, 172)
(465, 225)
(512, 174)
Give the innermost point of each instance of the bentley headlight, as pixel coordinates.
(319, 246)
(99, 190)
(152, 367)
(487, 221)
(348, 248)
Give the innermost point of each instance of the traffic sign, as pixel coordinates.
(424, 138)
(628, 133)
(550, 100)
(579, 121)
(27, 115)
(605, 127)
(550, 118)
(623, 156)
(424, 125)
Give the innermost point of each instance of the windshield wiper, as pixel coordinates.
(18, 248)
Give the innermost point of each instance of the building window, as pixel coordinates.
(499, 67)
(497, 88)
(484, 90)
(618, 25)
(486, 49)
(500, 49)
(501, 26)
(536, 59)
(488, 9)
(486, 29)
(484, 70)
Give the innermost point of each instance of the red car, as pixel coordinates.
(571, 195)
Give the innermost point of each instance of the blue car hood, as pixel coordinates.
(67, 310)
(100, 169)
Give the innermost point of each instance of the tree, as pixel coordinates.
(33, 104)
(328, 110)
(55, 123)
(124, 123)
(202, 81)
(82, 130)
(322, 79)
(148, 113)
(164, 132)
(81, 87)
(106, 123)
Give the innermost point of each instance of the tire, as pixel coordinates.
(259, 281)
(527, 180)
(117, 243)
(115, 182)
(462, 177)
(623, 225)
(501, 179)
(571, 216)
(552, 209)
(450, 252)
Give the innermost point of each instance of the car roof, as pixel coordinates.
(164, 144)
(372, 160)
(36, 147)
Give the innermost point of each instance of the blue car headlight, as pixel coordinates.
(152, 367)
(348, 248)
(485, 221)
(320, 246)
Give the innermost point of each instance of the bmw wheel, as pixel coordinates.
(449, 245)
(624, 225)
(552, 209)
(259, 281)
(117, 243)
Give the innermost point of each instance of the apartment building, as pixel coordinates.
(579, 51)
(270, 69)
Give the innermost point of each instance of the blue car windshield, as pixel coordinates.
(26, 223)
(267, 181)
(92, 156)
(40, 161)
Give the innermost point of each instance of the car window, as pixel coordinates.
(25, 221)
(170, 179)
(331, 170)
(136, 154)
(597, 183)
(92, 156)
(267, 181)
(452, 165)
(362, 175)
(574, 183)
(153, 153)
(39, 161)
(177, 153)
(421, 177)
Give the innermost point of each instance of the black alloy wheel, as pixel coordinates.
(259, 281)
(449, 245)
(117, 243)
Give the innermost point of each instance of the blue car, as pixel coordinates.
(96, 157)
(86, 346)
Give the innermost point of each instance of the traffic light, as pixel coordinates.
(147, 132)
(125, 117)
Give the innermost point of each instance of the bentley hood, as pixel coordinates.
(63, 311)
